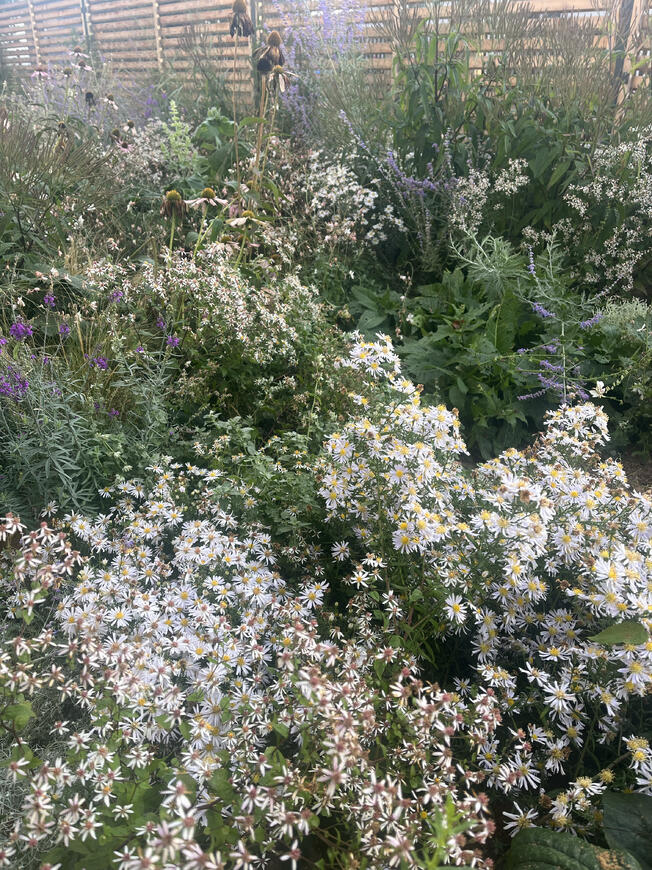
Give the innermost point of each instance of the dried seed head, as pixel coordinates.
(240, 7)
(274, 39)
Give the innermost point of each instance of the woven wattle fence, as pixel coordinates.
(140, 37)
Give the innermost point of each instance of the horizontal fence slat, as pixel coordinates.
(138, 35)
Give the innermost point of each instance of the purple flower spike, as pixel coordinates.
(20, 330)
(541, 311)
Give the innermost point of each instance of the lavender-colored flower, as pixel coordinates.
(160, 323)
(545, 364)
(114, 412)
(3, 341)
(12, 384)
(100, 361)
(587, 324)
(64, 330)
(20, 330)
(172, 341)
(531, 267)
(541, 311)
(116, 296)
(140, 349)
(49, 300)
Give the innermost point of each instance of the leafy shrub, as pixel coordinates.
(244, 350)
(80, 398)
(529, 576)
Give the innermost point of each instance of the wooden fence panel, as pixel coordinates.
(140, 36)
(17, 43)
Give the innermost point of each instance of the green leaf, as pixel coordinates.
(543, 849)
(19, 714)
(220, 785)
(628, 824)
(281, 729)
(629, 631)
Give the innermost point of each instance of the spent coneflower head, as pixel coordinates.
(173, 205)
(270, 55)
(206, 197)
(240, 20)
(90, 99)
(280, 78)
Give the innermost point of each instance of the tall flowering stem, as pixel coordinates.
(261, 123)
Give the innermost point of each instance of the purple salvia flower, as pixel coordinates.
(587, 324)
(541, 311)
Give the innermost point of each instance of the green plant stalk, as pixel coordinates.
(203, 229)
(172, 229)
(235, 117)
(261, 123)
(269, 136)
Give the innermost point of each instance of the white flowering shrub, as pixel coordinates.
(338, 212)
(185, 690)
(540, 560)
(207, 717)
(255, 349)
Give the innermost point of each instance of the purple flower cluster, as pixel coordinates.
(101, 362)
(172, 341)
(531, 267)
(20, 330)
(12, 384)
(541, 311)
(587, 324)
(408, 184)
(49, 300)
(64, 330)
(116, 296)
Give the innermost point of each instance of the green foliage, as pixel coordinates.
(49, 177)
(179, 150)
(629, 631)
(540, 849)
(628, 824)
(61, 443)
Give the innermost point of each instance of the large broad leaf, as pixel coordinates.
(542, 849)
(628, 824)
(629, 631)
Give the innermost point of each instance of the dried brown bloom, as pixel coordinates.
(240, 21)
(173, 205)
(271, 55)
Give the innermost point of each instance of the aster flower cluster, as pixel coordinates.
(224, 325)
(179, 636)
(529, 558)
(345, 211)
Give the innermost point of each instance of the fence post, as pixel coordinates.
(86, 23)
(32, 21)
(157, 34)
